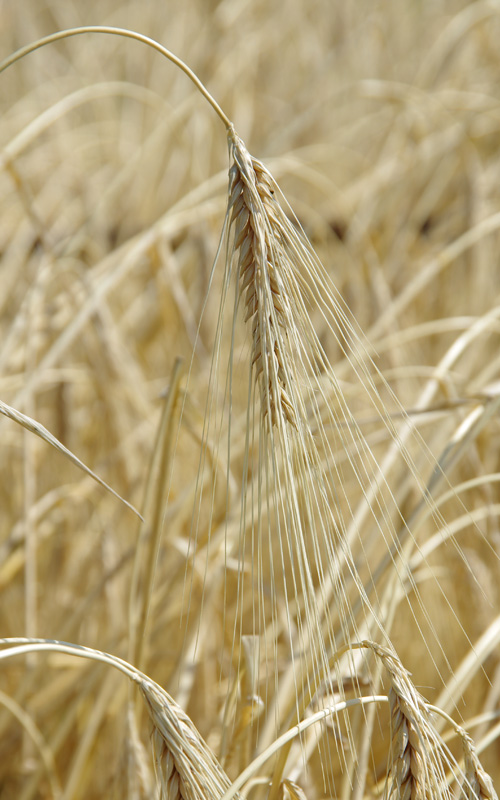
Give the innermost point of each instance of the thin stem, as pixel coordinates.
(22, 646)
(151, 531)
(55, 37)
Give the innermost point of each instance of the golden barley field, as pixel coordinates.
(250, 400)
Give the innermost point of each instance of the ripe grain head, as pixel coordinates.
(186, 767)
(262, 271)
(477, 784)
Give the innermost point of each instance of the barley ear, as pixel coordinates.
(417, 758)
(477, 784)
(254, 218)
(166, 770)
(408, 759)
(185, 766)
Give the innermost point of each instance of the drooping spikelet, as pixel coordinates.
(477, 784)
(418, 761)
(259, 247)
(408, 772)
(186, 768)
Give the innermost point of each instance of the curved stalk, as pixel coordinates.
(127, 34)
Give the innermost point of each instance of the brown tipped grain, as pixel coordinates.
(256, 233)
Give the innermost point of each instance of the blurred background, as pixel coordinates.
(381, 123)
